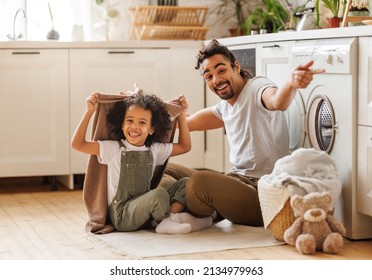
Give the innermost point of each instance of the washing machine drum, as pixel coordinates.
(311, 121)
(321, 124)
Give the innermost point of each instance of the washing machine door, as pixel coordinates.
(320, 120)
(294, 116)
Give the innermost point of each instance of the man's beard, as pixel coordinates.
(225, 96)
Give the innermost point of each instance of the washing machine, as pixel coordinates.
(324, 116)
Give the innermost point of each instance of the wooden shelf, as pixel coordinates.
(168, 22)
(346, 18)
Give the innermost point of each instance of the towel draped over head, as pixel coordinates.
(95, 183)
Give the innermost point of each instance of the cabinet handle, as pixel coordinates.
(272, 46)
(121, 52)
(17, 53)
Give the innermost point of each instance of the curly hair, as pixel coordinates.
(213, 48)
(160, 119)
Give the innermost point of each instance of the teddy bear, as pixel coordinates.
(314, 229)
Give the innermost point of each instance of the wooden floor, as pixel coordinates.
(40, 224)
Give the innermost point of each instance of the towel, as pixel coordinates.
(305, 170)
(95, 183)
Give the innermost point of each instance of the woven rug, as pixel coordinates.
(147, 243)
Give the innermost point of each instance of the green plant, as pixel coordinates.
(272, 16)
(228, 9)
(332, 5)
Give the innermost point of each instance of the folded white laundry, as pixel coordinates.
(305, 170)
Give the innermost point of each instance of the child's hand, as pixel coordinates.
(184, 104)
(92, 101)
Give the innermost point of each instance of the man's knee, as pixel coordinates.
(197, 182)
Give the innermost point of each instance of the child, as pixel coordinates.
(139, 124)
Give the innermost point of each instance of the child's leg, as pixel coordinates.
(176, 191)
(133, 214)
(195, 223)
(176, 207)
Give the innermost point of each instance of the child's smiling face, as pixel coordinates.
(137, 125)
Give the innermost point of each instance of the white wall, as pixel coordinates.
(66, 13)
(120, 30)
(84, 12)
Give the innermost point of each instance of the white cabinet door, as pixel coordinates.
(364, 180)
(272, 61)
(112, 71)
(186, 80)
(365, 82)
(34, 113)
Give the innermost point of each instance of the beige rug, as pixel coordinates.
(221, 236)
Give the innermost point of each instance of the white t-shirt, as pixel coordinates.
(109, 153)
(257, 137)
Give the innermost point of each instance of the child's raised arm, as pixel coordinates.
(78, 141)
(184, 139)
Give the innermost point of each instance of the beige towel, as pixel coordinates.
(95, 184)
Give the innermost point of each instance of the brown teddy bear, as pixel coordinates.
(314, 229)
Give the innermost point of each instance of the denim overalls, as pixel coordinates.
(134, 203)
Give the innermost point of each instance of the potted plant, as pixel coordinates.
(232, 9)
(272, 17)
(334, 7)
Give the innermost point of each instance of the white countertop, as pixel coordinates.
(148, 44)
(354, 31)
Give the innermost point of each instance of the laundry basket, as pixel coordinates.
(283, 220)
(276, 208)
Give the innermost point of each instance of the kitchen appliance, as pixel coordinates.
(246, 55)
(325, 114)
(307, 20)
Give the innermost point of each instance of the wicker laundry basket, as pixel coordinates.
(283, 220)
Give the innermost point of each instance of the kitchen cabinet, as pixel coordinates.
(112, 71)
(186, 80)
(34, 112)
(161, 71)
(364, 166)
(272, 61)
(364, 171)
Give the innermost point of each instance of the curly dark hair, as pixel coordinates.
(160, 119)
(213, 48)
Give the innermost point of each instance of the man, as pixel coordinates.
(251, 110)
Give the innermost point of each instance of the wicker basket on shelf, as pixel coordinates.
(168, 22)
(155, 32)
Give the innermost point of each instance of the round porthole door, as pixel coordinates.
(321, 123)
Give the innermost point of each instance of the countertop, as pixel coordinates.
(354, 31)
(148, 44)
